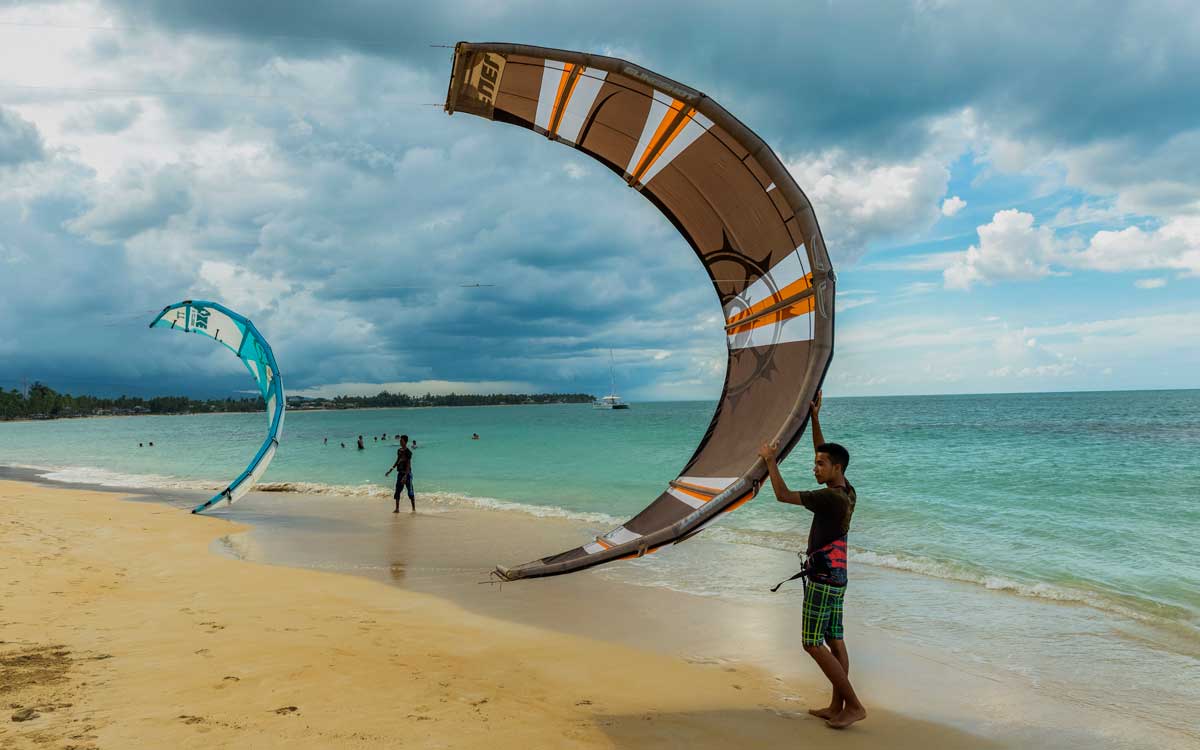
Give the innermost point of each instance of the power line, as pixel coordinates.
(150, 30)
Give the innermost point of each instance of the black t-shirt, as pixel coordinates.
(831, 508)
(403, 461)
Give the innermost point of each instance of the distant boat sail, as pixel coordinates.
(612, 400)
(742, 213)
(224, 326)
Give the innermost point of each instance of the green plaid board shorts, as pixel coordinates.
(822, 612)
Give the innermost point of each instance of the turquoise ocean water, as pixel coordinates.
(1083, 497)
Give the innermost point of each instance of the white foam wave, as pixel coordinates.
(106, 478)
(454, 499)
(1037, 590)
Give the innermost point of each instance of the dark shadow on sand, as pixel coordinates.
(770, 728)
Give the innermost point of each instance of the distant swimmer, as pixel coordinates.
(414, 444)
(141, 446)
(374, 439)
(403, 469)
(151, 445)
(360, 443)
(474, 435)
(343, 445)
(326, 442)
(825, 567)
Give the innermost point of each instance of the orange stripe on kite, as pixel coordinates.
(797, 286)
(698, 495)
(711, 491)
(802, 307)
(566, 86)
(666, 132)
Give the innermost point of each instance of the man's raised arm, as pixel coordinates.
(784, 495)
(815, 422)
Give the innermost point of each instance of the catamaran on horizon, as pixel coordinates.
(612, 400)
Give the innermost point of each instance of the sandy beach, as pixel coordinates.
(122, 629)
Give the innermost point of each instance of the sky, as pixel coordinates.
(1010, 193)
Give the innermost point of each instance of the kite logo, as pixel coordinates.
(201, 321)
(488, 79)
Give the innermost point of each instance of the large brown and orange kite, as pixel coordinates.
(746, 219)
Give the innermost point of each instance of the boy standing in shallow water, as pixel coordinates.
(825, 587)
(403, 469)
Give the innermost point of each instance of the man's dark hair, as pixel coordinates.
(837, 454)
(404, 438)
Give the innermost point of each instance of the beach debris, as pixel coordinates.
(227, 327)
(189, 719)
(739, 209)
(25, 714)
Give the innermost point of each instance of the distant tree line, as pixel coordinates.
(43, 402)
(386, 399)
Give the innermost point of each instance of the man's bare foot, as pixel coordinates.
(824, 713)
(847, 717)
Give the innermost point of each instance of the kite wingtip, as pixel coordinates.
(504, 574)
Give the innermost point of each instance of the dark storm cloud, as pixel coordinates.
(141, 200)
(805, 74)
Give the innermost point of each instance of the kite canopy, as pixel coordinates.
(223, 325)
(744, 216)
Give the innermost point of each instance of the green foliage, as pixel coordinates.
(43, 402)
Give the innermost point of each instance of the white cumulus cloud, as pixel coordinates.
(1010, 248)
(953, 205)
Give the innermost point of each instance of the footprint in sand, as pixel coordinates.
(226, 682)
(285, 710)
(187, 719)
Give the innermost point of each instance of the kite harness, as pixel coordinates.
(825, 565)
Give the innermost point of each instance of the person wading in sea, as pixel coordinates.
(403, 469)
(825, 563)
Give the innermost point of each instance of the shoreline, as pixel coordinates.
(667, 623)
(1182, 634)
(105, 596)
